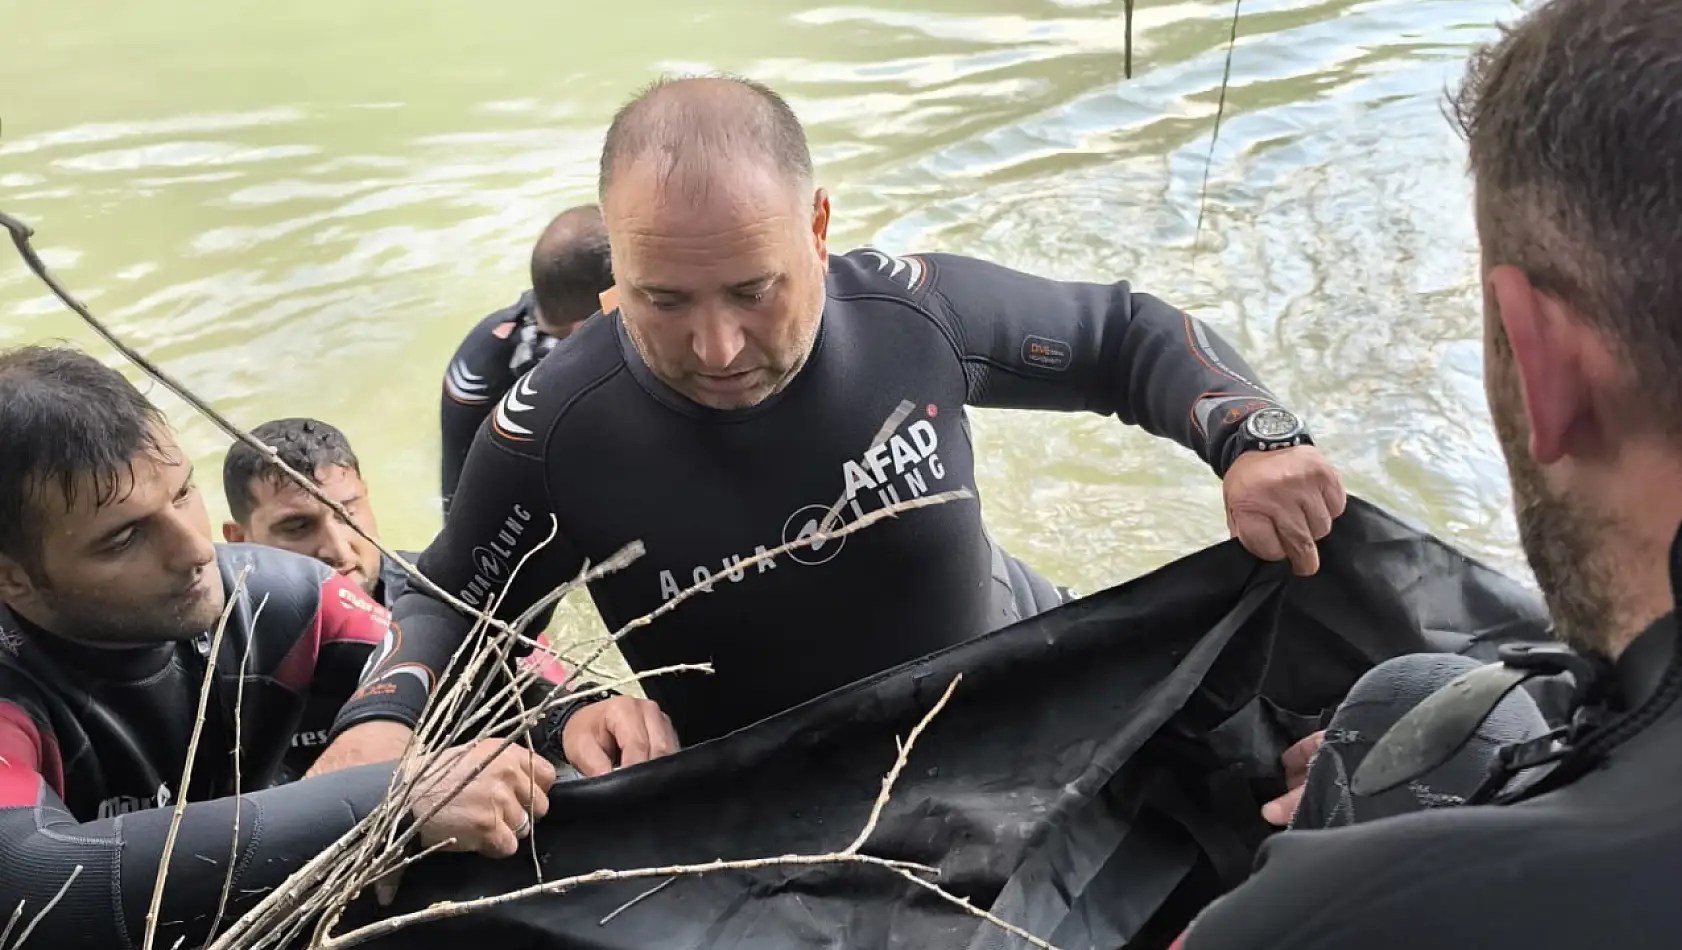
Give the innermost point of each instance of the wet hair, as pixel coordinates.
(71, 421)
(571, 265)
(1573, 123)
(307, 445)
(709, 120)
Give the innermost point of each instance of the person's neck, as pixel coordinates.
(40, 623)
(1643, 509)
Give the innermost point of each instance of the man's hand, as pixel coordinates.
(615, 733)
(1296, 760)
(495, 809)
(1279, 503)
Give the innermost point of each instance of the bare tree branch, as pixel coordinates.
(63, 889)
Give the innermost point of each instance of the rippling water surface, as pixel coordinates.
(298, 208)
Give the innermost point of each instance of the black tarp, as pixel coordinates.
(1096, 777)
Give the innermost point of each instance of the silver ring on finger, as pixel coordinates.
(524, 827)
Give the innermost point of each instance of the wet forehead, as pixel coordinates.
(149, 483)
(678, 230)
(275, 500)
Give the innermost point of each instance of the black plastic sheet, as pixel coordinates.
(1096, 778)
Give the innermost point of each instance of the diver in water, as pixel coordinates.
(1574, 125)
(570, 270)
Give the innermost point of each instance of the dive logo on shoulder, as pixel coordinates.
(493, 560)
(503, 421)
(465, 386)
(906, 271)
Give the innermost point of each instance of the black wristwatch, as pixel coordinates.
(1271, 428)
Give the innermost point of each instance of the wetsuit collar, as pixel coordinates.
(126, 665)
(1642, 664)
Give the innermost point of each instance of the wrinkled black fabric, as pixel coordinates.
(1096, 778)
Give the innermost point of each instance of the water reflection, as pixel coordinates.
(318, 245)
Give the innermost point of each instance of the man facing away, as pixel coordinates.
(750, 388)
(1574, 126)
(110, 590)
(570, 269)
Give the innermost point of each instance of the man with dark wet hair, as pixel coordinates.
(110, 592)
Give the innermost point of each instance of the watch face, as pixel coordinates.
(1272, 423)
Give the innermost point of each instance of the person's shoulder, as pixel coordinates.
(1411, 880)
(868, 271)
(479, 365)
(580, 366)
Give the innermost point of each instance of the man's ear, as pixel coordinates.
(232, 532)
(1546, 340)
(15, 583)
(820, 224)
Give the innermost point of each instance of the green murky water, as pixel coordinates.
(299, 207)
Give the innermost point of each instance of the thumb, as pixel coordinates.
(1278, 812)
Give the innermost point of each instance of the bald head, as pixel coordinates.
(570, 267)
(694, 128)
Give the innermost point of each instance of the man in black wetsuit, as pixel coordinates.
(1574, 126)
(749, 387)
(268, 508)
(570, 269)
(110, 588)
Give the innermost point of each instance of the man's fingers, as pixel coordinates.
(1319, 519)
(385, 889)
(1259, 536)
(662, 737)
(630, 730)
(591, 760)
(1333, 493)
(1278, 812)
(1297, 758)
(1298, 542)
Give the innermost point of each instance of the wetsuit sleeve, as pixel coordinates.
(42, 844)
(477, 376)
(502, 513)
(1028, 342)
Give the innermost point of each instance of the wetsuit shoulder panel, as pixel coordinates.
(1030, 342)
(478, 374)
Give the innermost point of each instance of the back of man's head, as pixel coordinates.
(306, 445)
(1574, 126)
(571, 266)
(693, 127)
(66, 420)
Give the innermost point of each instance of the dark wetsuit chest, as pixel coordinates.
(704, 491)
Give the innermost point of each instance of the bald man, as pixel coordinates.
(736, 399)
(570, 268)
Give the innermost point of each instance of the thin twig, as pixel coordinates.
(645, 895)
(1127, 39)
(17, 914)
(192, 753)
(21, 234)
(1220, 110)
(63, 889)
(239, 754)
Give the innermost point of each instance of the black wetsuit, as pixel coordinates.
(497, 351)
(594, 439)
(1592, 863)
(93, 741)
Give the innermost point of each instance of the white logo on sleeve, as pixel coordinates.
(904, 270)
(511, 405)
(465, 386)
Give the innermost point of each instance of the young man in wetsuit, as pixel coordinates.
(570, 269)
(750, 387)
(267, 507)
(110, 589)
(1574, 126)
